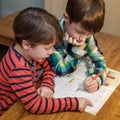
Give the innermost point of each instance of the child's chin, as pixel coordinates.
(39, 60)
(47, 56)
(82, 43)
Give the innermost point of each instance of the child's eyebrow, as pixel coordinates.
(48, 47)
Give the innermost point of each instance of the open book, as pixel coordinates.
(67, 87)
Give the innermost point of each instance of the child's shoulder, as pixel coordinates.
(90, 39)
(15, 59)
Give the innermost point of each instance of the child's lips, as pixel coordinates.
(82, 43)
(47, 56)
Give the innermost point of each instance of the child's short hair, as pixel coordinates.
(36, 26)
(90, 13)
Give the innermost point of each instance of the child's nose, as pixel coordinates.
(50, 51)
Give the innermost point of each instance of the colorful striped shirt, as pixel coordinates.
(18, 78)
(66, 57)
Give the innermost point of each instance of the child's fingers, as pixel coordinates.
(66, 36)
(88, 81)
(91, 87)
(83, 102)
(88, 102)
(39, 91)
(70, 40)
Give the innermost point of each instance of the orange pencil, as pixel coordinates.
(93, 78)
(96, 76)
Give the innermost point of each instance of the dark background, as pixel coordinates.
(3, 50)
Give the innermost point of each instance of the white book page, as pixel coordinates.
(67, 86)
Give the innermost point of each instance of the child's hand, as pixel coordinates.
(45, 92)
(83, 102)
(73, 41)
(91, 85)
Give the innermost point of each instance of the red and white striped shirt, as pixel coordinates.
(17, 82)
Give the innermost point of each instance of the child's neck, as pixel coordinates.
(19, 49)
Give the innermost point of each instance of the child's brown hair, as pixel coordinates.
(90, 13)
(37, 26)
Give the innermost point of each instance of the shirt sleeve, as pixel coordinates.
(22, 86)
(95, 60)
(66, 58)
(62, 62)
(47, 77)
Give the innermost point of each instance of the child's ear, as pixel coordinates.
(66, 17)
(26, 45)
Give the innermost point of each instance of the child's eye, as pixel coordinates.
(47, 48)
(82, 33)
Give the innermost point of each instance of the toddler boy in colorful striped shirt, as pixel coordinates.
(82, 19)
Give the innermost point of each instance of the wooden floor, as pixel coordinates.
(3, 50)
